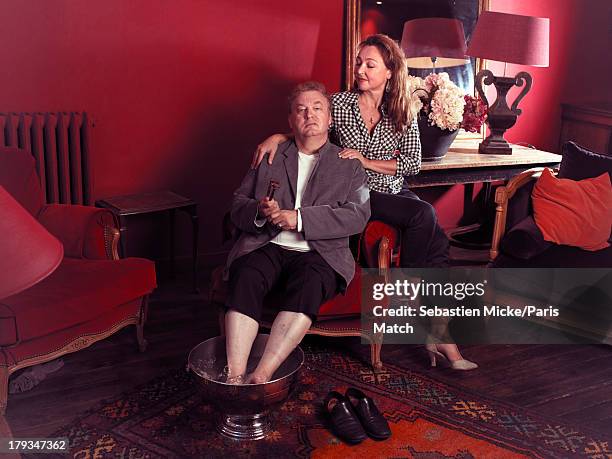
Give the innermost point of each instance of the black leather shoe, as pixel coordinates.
(372, 421)
(343, 419)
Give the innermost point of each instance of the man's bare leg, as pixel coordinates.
(287, 332)
(240, 333)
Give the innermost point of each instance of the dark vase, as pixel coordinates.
(435, 142)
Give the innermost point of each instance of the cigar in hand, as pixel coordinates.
(273, 185)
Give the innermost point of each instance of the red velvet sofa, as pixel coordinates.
(90, 296)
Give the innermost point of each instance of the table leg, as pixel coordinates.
(468, 205)
(172, 213)
(486, 192)
(477, 236)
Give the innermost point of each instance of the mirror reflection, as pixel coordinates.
(389, 17)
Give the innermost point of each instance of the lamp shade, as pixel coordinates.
(511, 38)
(434, 37)
(28, 252)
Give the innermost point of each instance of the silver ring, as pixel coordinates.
(280, 225)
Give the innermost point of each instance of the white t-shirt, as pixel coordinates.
(294, 240)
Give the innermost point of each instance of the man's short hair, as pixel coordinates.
(308, 86)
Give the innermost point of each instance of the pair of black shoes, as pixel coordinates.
(354, 416)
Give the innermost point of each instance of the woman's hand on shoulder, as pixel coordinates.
(270, 145)
(350, 153)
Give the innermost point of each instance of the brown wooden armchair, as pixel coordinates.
(507, 213)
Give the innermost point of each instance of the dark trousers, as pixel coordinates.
(305, 279)
(424, 244)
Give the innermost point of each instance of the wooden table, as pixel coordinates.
(464, 165)
(146, 203)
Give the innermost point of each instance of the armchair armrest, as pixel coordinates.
(502, 212)
(376, 245)
(85, 232)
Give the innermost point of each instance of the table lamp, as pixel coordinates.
(508, 38)
(28, 252)
(434, 38)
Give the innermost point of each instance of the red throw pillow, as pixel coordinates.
(577, 213)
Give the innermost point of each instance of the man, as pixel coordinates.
(298, 238)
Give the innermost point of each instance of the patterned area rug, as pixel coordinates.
(167, 418)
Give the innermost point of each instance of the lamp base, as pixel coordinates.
(494, 146)
(500, 117)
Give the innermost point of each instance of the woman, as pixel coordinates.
(373, 123)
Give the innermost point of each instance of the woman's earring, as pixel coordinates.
(387, 86)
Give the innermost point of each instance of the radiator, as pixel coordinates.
(59, 143)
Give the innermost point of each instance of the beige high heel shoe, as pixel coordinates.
(461, 364)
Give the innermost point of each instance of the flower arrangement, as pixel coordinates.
(474, 113)
(445, 104)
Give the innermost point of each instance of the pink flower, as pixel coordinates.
(444, 103)
(474, 114)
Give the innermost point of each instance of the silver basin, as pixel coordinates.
(243, 408)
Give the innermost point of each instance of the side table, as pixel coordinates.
(146, 203)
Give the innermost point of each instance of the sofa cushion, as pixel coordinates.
(80, 335)
(349, 303)
(78, 291)
(524, 240)
(578, 163)
(577, 213)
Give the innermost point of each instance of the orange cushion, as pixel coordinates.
(576, 213)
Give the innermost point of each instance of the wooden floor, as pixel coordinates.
(573, 382)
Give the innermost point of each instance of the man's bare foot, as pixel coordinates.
(235, 380)
(255, 378)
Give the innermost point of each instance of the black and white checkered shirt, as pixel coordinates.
(351, 132)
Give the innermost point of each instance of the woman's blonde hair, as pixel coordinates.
(396, 99)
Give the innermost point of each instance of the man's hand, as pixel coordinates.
(267, 207)
(284, 219)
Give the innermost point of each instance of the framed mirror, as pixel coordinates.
(367, 17)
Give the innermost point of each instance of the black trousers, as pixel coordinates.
(305, 279)
(424, 244)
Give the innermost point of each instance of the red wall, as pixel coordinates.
(580, 64)
(181, 91)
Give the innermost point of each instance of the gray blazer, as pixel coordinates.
(335, 205)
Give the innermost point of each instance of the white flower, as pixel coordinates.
(440, 98)
(414, 88)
